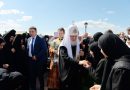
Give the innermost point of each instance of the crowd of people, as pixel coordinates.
(71, 62)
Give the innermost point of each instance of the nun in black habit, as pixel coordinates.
(96, 54)
(8, 80)
(96, 60)
(97, 66)
(2, 55)
(9, 49)
(117, 69)
(20, 54)
(94, 48)
(20, 58)
(97, 35)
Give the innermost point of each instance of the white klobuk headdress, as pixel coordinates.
(72, 30)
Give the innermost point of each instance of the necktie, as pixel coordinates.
(32, 47)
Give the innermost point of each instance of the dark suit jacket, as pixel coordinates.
(40, 49)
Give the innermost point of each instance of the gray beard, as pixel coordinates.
(73, 43)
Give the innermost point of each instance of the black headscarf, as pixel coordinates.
(2, 40)
(2, 55)
(109, 31)
(97, 35)
(24, 35)
(46, 37)
(113, 46)
(0, 35)
(17, 41)
(96, 51)
(9, 34)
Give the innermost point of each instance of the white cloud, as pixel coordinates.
(8, 25)
(25, 18)
(1, 4)
(99, 24)
(11, 11)
(110, 12)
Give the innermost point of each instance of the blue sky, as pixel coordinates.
(49, 15)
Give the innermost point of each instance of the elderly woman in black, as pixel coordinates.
(117, 68)
(97, 67)
(8, 80)
(2, 58)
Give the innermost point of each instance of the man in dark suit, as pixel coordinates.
(37, 52)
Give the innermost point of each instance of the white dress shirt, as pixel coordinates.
(29, 45)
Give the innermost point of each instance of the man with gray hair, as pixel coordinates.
(69, 60)
(37, 58)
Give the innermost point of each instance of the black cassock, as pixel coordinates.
(119, 78)
(2, 58)
(68, 70)
(8, 80)
(71, 73)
